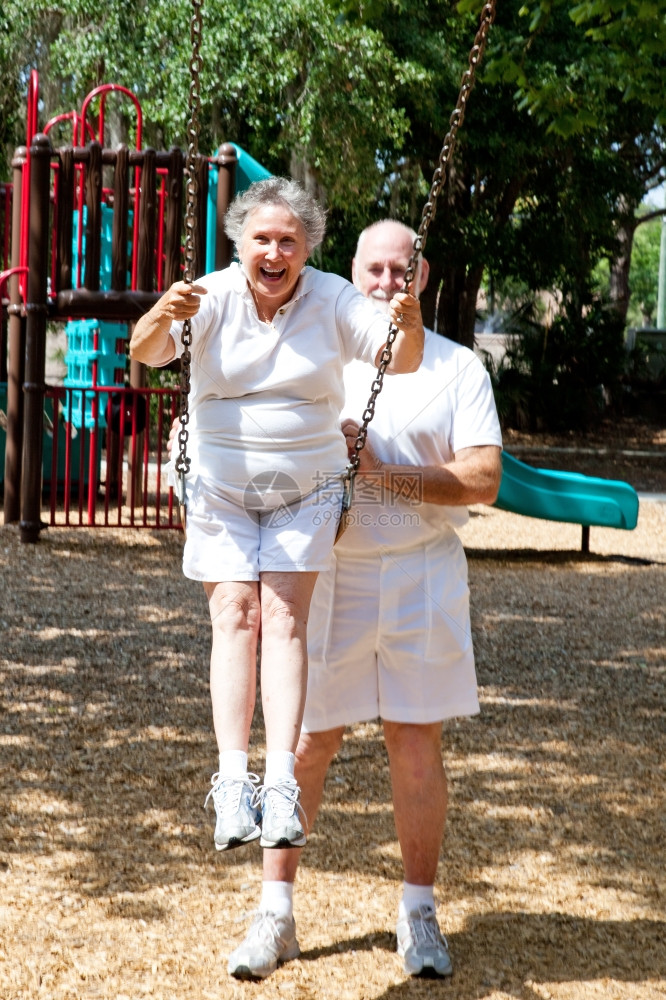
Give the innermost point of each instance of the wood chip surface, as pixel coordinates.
(551, 882)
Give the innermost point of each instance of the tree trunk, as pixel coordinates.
(619, 268)
(449, 301)
(301, 170)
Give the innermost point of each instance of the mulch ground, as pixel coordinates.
(551, 882)
(632, 450)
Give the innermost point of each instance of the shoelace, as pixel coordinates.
(283, 797)
(424, 927)
(226, 792)
(263, 927)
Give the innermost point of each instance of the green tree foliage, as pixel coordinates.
(16, 46)
(563, 133)
(293, 82)
(644, 275)
(615, 47)
(562, 375)
(634, 31)
(592, 74)
(9, 96)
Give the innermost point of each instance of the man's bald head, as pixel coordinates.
(382, 255)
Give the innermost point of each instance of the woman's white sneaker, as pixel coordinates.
(281, 824)
(237, 808)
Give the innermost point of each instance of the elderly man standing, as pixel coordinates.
(389, 630)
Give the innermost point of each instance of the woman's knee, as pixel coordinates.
(285, 597)
(233, 607)
(284, 609)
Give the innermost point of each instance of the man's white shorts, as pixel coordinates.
(238, 535)
(389, 636)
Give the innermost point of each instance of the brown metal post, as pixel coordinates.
(36, 308)
(135, 468)
(119, 283)
(93, 254)
(64, 220)
(201, 169)
(119, 254)
(147, 233)
(16, 358)
(147, 222)
(227, 161)
(174, 217)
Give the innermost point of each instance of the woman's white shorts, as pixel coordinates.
(239, 535)
(389, 636)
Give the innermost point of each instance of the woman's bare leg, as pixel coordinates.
(235, 619)
(285, 604)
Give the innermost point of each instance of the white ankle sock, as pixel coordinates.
(277, 898)
(233, 763)
(414, 896)
(279, 765)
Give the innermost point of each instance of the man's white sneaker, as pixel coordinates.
(237, 809)
(269, 941)
(280, 821)
(421, 944)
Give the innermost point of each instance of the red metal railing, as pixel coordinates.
(110, 470)
(102, 92)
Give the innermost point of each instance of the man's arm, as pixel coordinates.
(472, 477)
(151, 341)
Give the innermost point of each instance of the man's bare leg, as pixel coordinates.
(420, 796)
(419, 805)
(272, 935)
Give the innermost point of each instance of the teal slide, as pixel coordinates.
(248, 170)
(566, 496)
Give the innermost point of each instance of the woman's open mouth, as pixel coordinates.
(271, 274)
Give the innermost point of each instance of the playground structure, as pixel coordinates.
(567, 496)
(89, 237)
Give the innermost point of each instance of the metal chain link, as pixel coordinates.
(193, 128)
(439, 177)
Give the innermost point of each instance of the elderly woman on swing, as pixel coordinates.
(270, 338)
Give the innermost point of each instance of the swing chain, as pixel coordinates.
(193, 129)
(439, 176)
(455, 121)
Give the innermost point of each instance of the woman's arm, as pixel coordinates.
(407, 353)
(151, 340)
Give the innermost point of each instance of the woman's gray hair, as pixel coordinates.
(276, 191)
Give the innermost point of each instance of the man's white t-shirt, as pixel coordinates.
(267, 397)
(420, 419)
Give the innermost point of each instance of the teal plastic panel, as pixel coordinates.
(248, 170)
(566, 496)
(79, 446)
